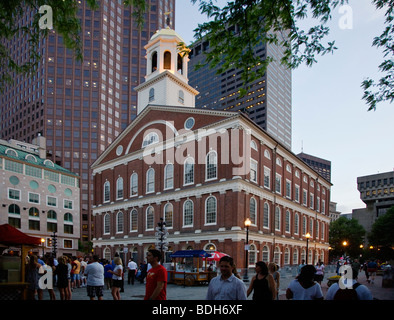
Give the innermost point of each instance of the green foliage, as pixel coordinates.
(384, 88)
(348, 230)
(382, 230)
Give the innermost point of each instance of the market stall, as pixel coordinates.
(12, 266)
(190, 268)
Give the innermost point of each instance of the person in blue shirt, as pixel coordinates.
(226, 286)
(108, 275)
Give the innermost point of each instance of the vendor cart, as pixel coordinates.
(12, 267)
(190, 268)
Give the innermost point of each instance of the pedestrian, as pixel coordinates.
(32, 276)
(132, 269)
(50, 264)
(301, 265)
(365, 268)
(304, 287)
(262, 284)
(69, 277)
(84, 263)
(273, 270)
(108, 275)
(319, 275)
(117, 278)
(95, 279)
(353, 291)
(143, 269)
(62, 278)
(156, 279)
(372, 267)
(76, 265)
(226, 286)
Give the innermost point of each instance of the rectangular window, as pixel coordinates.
(34, 197)
(51, 201)
(14, 194)
(253, 170)
(267, 174)
(68, 204)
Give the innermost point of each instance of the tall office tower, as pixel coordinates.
(80, 107)
(322, 166)
(268, 102)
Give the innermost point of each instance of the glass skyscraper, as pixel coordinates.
(268, 102)
(80, 107)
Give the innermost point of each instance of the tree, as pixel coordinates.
(61, 15)
(348, 230)
(258, 20)
(382, 230)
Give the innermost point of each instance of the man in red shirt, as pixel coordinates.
(156, 279)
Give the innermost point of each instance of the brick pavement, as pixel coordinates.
(177, 292)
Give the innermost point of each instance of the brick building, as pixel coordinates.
(204, 172)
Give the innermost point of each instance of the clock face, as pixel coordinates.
(189, 123)
(119, 150)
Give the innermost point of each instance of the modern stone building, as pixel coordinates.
(377, 192)
(39, 197)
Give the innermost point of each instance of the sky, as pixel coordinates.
(329, 118)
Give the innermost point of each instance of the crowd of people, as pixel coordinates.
(95, 275)
(70, 273)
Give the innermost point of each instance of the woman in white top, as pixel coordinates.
(304, 287)
(117, 274)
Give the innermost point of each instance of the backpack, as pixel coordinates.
(347, 294)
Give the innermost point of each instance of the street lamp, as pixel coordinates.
(247, 224)
(307, 236)
(42, 242)
(344, 243)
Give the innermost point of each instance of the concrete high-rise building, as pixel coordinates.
(268, 101)
(80, 107)
(322, 166)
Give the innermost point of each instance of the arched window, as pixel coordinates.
(150, 180)
(180, 64)
(168, 214)
(295, 256)
(287, 256)
(106, 191)
(287, 222)
(52, 215)
(149, 218)
(252, 254)
(33, 212)
(211, 166)
(266, 254)
(14, 209)
(150, 138)
(277, 218)
(188, 171)
(277, 256)
(188, 213)
(119, 222)
(169, 176)
(210, 210)
(181, 97)
(167, 60)
(119, 188)
(106, 223)
(303, 225)
(151, 94)
(296, 223)
(266, 216)
(134, 220)
(11, 152)
(154, 61)
(68, 217)
(252, 210)
(134, 184)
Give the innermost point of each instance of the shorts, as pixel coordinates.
(117, 283)
(94, 291)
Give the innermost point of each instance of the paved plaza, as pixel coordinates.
(180, 292)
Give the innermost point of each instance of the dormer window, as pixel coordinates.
(151, 95)
(150, 138)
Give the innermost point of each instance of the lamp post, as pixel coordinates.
(307, 236)
(344, 243)
(247, 224)
(42, 242)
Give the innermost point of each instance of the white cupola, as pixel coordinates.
(166, 81)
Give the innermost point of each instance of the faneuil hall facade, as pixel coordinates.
(203, 172)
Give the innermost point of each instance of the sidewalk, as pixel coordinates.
(178, 292)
